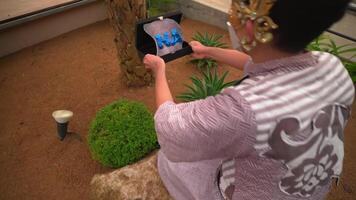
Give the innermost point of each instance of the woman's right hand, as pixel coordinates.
(199, 51)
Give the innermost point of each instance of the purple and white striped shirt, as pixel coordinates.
(277, 135)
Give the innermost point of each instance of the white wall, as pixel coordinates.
(33, 32)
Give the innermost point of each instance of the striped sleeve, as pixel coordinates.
(215, 127)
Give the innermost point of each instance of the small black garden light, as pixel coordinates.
(62, 118)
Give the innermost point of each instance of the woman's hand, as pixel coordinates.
(157, 65)
(228, 56)
(199, 51)
(154, 63)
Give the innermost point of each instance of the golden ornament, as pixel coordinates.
(249, 16)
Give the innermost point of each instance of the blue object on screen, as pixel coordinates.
(159, 40)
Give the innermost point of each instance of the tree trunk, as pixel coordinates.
(123, 15)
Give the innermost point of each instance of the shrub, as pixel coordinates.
(326, 44)
(122, 133)
(159, 7)
(210, 85)
(212, 40)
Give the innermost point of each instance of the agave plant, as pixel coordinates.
(212, 40)
(344, 52)
(209, 85)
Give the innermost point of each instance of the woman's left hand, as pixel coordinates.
(199, 50)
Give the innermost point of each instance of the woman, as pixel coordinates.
(278, 134)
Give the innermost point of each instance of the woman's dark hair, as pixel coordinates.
(301, 21)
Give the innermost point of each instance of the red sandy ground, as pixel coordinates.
(79, 71)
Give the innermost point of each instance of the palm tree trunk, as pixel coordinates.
(123, 15)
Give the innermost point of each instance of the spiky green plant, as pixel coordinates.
(210, 84)
(326, 44)
(351, 68)
(159, 7)
(210, 40)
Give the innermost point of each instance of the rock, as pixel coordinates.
(139, 181)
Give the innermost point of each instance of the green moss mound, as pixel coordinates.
(122, 133)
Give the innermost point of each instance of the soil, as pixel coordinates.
(79, 71)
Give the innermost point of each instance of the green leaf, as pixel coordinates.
(159, 7)
(343, 46)
(347, 50)
(186, 97)
(212, 40)
(209, 85)
(192, 89)
(199, 85)
(221, 81)
(326, 44)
